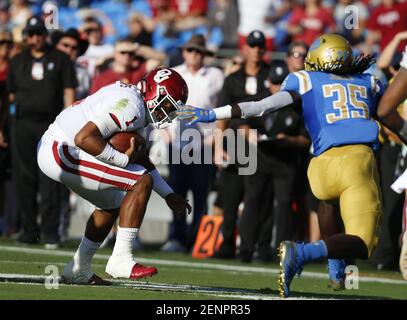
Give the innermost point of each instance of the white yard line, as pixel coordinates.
(200, 265)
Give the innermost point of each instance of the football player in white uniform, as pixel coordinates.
(396, 94)
(74, 151)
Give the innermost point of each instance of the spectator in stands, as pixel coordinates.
(389, 58)
(253, 16)
(388, 19)
(193, 8)
(309, 21)
(19, 12)
(296, 53)
(70, 42)
(224, 15)
(179, 15)
(189, 14)
(98, 52)
(248, 83)
(161, 11)
(279, 18)
(121, 69)
(204, 84)
(175, 22)
(234, 64)
(129, 64)
(360, 15)
(41, 82)
(5, 22)
(140, 29)
(281, 136)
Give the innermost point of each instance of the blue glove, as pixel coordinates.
(195, 115)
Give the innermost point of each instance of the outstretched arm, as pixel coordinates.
(395, 94)
(243, 110)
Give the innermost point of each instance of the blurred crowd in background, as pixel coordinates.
(228, 51)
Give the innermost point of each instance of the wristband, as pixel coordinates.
(159, 184)
(222, 113)
(112, 156)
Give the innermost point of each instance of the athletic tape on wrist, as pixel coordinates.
(112, 156)
(159, 184)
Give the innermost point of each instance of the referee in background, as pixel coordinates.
(41, 81)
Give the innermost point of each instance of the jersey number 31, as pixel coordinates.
(347, 103)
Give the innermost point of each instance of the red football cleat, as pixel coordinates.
(139, 271)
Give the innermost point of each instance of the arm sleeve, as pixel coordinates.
(270, 104)
(159, 184)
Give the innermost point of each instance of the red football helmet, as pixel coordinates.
(164, 91)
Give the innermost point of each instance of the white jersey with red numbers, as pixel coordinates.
(114, 108)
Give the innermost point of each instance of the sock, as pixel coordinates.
(315, 251)
(84, 255)
(336, 265)
(336, 269)
(124, 242)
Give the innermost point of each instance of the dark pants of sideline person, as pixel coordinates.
(231, 188)
(256, 223)
(31, 182)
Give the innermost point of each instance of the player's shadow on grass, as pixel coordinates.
(273, 293)
(325, 296)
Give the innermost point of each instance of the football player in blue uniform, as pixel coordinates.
(338, 102)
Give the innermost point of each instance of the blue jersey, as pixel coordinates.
(337, 110)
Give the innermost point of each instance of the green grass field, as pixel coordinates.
(22, 272)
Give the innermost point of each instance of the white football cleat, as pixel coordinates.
(403, 256)
(126, 267)
(73, 274)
